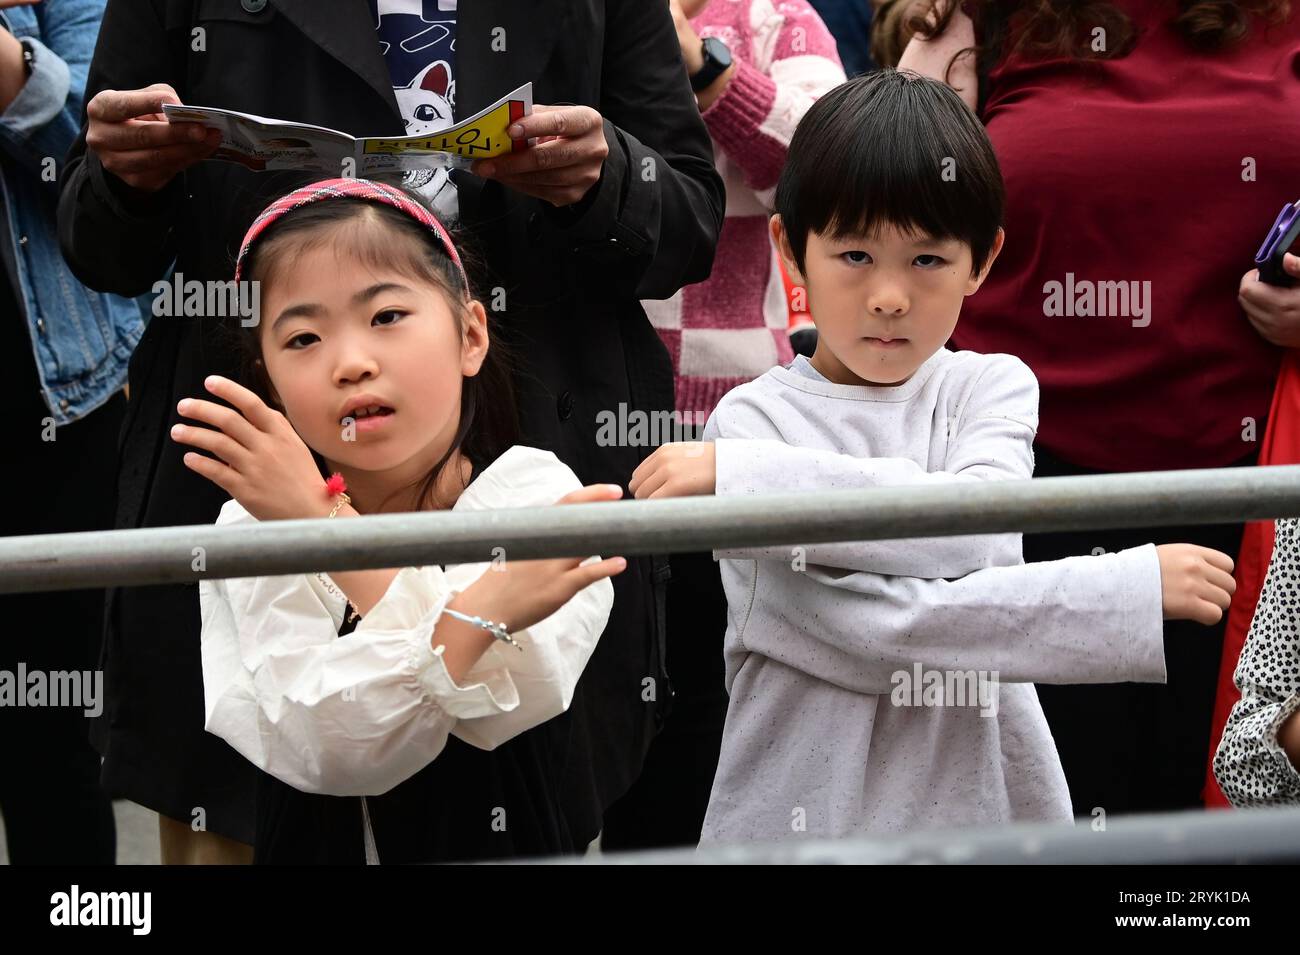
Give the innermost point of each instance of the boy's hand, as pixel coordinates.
(677, 469)
(259, 459)
(1195, 582)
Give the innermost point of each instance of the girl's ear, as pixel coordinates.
(474, 339)
(781, 241)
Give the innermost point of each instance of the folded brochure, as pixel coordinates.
(268, 144)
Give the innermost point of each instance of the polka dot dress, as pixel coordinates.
(1250, 766)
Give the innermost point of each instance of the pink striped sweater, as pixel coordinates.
(733, 327)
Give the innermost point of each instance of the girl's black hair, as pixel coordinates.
(489, 422)
(891, 148)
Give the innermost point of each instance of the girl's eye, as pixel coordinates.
(929, 261)
(392, 314)
(298, 338)
(856, 257)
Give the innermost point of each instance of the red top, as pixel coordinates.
(1136, 176)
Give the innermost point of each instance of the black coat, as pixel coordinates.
(572, 306)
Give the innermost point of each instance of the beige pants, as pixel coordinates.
(181, 845)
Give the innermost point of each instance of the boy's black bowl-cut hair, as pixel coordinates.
(871, 152)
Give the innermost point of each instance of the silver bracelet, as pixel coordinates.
(497, 630)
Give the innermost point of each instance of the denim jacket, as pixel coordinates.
(81, 340)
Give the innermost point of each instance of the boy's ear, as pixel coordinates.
(781, 240)
(474, 339)
(972, 286)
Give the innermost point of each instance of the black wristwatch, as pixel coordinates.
(716, 60)
(29, 54)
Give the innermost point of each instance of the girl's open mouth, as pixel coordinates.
(371, 419)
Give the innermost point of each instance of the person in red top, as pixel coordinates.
(1147, 146)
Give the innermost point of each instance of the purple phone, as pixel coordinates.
(1286, 228)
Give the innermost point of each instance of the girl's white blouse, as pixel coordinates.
(358, 714)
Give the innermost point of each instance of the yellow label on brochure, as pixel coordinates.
(480, 139)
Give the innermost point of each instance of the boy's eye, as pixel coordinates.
(856, 257)
(298, 338)
(392, 315)
(929, 261)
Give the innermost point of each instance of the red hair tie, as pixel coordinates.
(335, 485)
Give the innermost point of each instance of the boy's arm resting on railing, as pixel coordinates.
(991, 440)
(1090, 619)
(1258, 757)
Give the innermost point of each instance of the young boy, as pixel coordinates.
(864, 676)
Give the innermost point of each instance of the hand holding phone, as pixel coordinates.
(1286, 228)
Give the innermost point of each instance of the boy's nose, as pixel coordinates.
(892, 302)
(887, 298)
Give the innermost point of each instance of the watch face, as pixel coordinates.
(717, 51)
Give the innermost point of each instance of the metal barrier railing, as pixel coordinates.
(1219, 836)
(189, 553)
(186, 554)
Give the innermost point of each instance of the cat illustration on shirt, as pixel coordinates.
(428, 103)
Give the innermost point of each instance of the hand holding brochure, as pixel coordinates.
(268, 144)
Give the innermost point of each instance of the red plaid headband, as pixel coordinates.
(350, 189)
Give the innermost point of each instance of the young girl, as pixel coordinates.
(1258, 760)
(884, 686)
(372, 360)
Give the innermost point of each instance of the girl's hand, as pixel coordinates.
(1195, 582)
(523, 592)
(263, 464)
(676, 469)
(1274, 311)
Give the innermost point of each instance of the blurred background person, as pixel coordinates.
(64, 352)
(1108, 118)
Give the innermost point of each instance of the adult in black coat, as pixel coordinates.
(572, 275)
